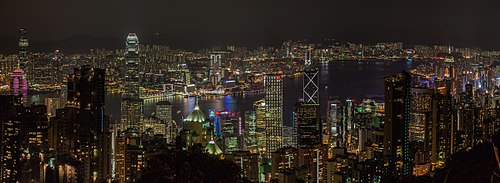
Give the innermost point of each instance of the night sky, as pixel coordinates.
(204, 23)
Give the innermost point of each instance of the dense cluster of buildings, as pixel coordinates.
(427, 114)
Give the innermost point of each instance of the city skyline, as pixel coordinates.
(257, 91)
(192, 26)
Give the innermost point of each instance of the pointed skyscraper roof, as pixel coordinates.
(197, 115)
(212, 148)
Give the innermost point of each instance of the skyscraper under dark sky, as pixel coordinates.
(310, 91)
(131, 105)
(397, 123)
(23, 49)
(131, 89)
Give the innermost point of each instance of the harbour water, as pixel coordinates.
(355, 79)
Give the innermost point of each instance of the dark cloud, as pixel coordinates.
(198, 23)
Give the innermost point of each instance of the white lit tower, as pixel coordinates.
(215, 65)
(128, 151)
(273, 88)
(307, 123)
(131, 103)
(310, 90)
(131, 89)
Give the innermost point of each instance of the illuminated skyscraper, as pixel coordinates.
(131, 89)
(420, 121)
(131, 105)
(420, 113)
(23, 50)
(442, 121)
(57, 69)
(397, 123)
(129, 158)
(333, 122)
(260, 115)
(273, 88)
(164, 111)
(10, 126)
(251, 131)
(307, 124)
(215, 64)
(310, 91)
(19, 85)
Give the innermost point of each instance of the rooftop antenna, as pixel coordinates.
(449, 48)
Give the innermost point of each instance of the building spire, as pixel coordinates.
(197, 104)
(449, 48)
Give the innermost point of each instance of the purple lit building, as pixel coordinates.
(19, 84)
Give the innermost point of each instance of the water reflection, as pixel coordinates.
(344, 79)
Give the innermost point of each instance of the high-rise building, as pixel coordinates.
(164, 114)
(397, 123)
(260, 131)
(131, 113)
(251, 138)
(130, 156)
(86, 93)
(171, 132)
(420, 120)
(311, 85)
(7, 65)
(230, 131)
(333, 120)
(52, 105)
(442, 121)
(57, 68)
(23, 51)
(467, 119)
(186, 75)
(19, 85)
(310, 89)
(10, 126)
(307, 124)
(131, 104)
(215, 64)
(164, 111)
(131, 89)
(273, 88)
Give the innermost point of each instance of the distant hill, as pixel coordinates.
(477, 165)
(73, 44)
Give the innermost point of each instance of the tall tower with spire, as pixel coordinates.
(131, 89)
(129, 151)
(131, 104)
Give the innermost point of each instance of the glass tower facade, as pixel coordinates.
(273, 88)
